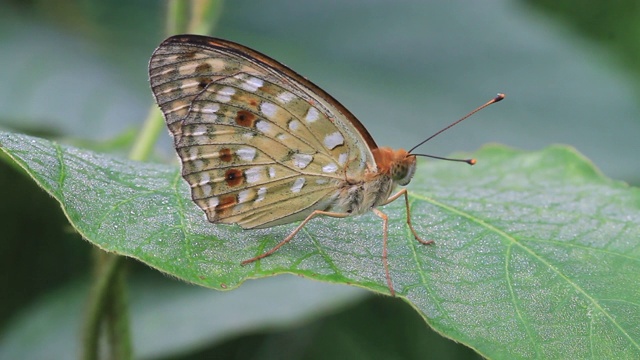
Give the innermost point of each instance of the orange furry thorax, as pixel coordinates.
(387, 157)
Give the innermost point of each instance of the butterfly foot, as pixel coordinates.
(425, 242)
(418, 238)
(253, 259)
(246, 262)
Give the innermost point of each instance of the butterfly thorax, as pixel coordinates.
(358, 196)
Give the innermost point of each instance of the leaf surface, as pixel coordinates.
(536, 254)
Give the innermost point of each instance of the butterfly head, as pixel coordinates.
(399, 164)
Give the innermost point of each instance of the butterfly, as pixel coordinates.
(262, 146)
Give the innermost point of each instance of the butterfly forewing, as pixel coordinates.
(259, 145)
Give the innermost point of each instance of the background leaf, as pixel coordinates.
(163, 317)
(536, 253)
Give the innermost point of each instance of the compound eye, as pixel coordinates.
(403, 172)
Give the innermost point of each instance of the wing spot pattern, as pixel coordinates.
(298, 185)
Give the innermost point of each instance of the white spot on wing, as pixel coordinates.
(227, 90)
(302, 160)
(272, 172)
(285, 97)
(197, 131)
(263, 126)
(262, 192)
(224, 94)
(281, 137)
(213, 202)
(297, 185)
(209, 107)
(330, 168)
(245, 195)
(204, 178)
(206, 190)
(246, 154)
(268, 109)
(197, 164)
(253, 174)
(321, 181)
(342, 158)
(193, 153)
(252, 84)
(294, 125)
(332, 140)
(312, 115)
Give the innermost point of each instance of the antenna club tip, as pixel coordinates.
(499, 97)
(471, 161)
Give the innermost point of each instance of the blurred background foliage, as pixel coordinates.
(76, 71)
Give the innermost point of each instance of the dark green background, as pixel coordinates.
(76, 70)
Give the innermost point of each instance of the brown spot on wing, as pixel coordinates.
(186, 55)
(226, 155)
(246, 118)
(204, 68)
(226, 203)
(203, 82)
(234, 177)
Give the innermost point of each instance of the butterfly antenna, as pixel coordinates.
(499, 97)
(468, 161)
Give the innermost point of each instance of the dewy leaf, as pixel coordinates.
(535, 255)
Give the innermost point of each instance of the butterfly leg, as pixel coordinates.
(385, 262)
(294, 232)
(406, 202)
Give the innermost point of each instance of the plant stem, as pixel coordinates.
(204, 16)
(176, 16)
(148, 136)
(117, 315)
(107, 268)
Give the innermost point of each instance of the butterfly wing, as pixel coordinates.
(259, 144)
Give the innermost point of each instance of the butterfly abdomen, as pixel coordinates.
(358, 198)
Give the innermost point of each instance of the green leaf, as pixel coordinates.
(536, 254)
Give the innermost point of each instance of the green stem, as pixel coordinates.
(117, 316)
(108, 267)
(148, 136)
(177, 16)
(204, 16)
